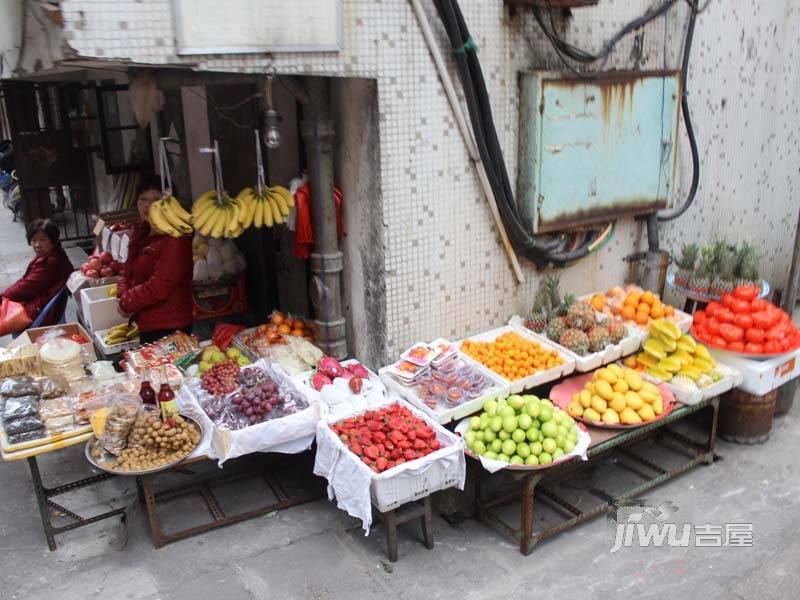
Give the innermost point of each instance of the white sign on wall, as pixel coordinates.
(244, 26)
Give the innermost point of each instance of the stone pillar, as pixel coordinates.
(326, 260)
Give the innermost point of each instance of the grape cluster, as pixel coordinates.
(221, 378)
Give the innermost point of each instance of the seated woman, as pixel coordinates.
(47, 273)
(155, 288)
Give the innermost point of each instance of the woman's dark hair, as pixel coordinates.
(46, 226)
(151, 181)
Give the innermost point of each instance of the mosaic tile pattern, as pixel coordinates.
(446, 270)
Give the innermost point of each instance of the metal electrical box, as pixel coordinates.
(594, 150)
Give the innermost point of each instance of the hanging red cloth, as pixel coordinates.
(304, 231)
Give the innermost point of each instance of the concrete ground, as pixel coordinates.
(316, 551)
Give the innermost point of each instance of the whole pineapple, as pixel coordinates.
(746, 268)
(727, 266)
(686, 264)
(721, 253)
(599, 338)
(617, 331)
(576, 341)
(580, 315)
(701, 279)
(538, 316)
(556, 328)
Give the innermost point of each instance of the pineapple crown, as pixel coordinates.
(746, 262)
(688, 256)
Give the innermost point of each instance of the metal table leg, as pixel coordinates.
(43, 495)
(41, 499)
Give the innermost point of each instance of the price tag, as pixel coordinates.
(785, 368)
(98, 227)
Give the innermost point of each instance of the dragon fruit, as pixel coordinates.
(356, 383)
(319, 381)
(346, 374)
(329, 367)
(358, 370)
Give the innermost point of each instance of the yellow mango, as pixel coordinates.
(629, 417)
(615, 369)
(650, 387)
(634, 380)
(634, 400)
(620, 386)
(603, 389)
(606, 375)
(649, 396)
(658, 406)
(591, 414)
(574, 409)
(646, 412)
(618, 402)
(585, 398)
(599, 404)
(610, 417)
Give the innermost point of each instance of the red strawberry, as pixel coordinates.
(409, 455)
(420, 444)
(371, 452)
(381, 463)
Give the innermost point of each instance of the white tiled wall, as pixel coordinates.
(446, 270)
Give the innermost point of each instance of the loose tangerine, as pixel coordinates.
(642, 318)
(657, 311)
(633, 299)
(276, 319)
(297, 332)
(648, 297)
(628, 313)
(284, 329)
(669, 310)
(598, 301)
(643, 308)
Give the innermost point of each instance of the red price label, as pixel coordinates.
(785, 368)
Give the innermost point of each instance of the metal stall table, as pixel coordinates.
(531, 487)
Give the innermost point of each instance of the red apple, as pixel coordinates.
(92, 273)
(95, 264)
(106, 258)
(106, 272)
(84, 268)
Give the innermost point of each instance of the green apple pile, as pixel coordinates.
(522, 430)
(212, 356)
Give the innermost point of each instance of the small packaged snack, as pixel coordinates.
(25, 436)
(18, 408)
(124, 410)
(421, 354)
(14, 387)
(23, 425)
(406, 371)
(52, 387)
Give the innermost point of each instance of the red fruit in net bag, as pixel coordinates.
(355, 384)
(319, 381)
(330, 367)
(358, 370)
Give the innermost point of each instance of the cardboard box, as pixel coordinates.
(99, 311)
(29, 336)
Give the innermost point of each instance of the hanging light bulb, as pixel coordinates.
(272, 135)
(272, 120)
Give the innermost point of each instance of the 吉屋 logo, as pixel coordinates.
(640, 523)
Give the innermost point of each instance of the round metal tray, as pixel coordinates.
(93, 440)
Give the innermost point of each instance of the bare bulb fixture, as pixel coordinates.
(272, 135)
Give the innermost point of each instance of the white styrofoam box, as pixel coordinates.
(517, 386)
(731, 378)
(99, 311)
(628, 345)
(417, 478)
(498, 389)
(107, 350)
(760, 377)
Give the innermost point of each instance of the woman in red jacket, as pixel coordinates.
(47, 273)
(156, 284)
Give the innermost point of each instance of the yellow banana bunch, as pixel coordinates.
(120, 334)
(265, 207)
(221, 216)
(168, 217)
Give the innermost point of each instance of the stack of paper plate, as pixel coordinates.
(62, 358)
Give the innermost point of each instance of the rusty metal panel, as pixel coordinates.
(591, 150)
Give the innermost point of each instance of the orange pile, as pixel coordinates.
(512, 356)
(641, 307)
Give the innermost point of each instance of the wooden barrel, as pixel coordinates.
(745, 418)
(785, 398)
